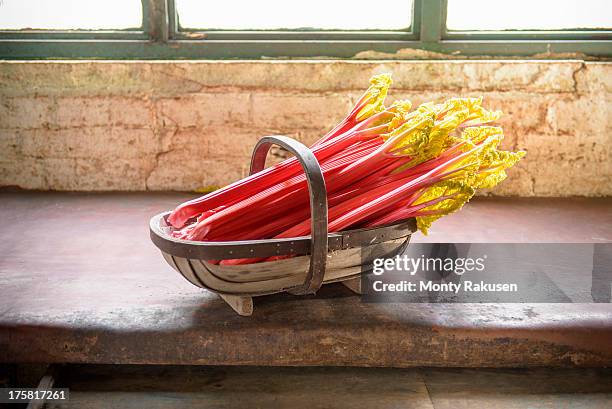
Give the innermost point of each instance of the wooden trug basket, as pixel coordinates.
(317, 259)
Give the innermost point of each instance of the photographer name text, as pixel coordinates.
(466, 286)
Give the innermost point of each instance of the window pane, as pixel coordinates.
(528, 14)
(308, 14)
(70, 14)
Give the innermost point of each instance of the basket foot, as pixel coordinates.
(354, 284)
(243, 305)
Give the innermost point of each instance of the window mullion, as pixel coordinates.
(173, 25)
(155, 20)
(432, 20)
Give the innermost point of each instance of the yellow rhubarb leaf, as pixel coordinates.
(477, 114)
(207, 189)
(401, 114)
(482, 116)
(441, 135)
(465, 167)
(451, 121)
(374, 96)
(493, 168)
(458, 104)
(478, 134)
(445, 197)
(412, 137)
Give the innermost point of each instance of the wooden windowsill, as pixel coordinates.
(81, 282)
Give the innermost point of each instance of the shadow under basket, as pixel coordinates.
(314, 260)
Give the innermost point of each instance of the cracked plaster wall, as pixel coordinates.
(184, 125)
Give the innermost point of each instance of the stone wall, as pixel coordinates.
(184, 125)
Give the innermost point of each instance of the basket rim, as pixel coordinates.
(297, 246)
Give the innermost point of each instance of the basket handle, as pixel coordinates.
(318, 204)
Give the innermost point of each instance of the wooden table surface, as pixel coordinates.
(81, 282)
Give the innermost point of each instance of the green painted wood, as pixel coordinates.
(432, 12)
(173, 20)
(156, 18)
(227, 49)
(593, 35)
(296, 35)
(160, 37)
(42, 35)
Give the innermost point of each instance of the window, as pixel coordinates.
(70, 14)
(288, 15)
(478, 15)
(206, 29)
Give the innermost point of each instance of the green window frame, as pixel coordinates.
(161, 37)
